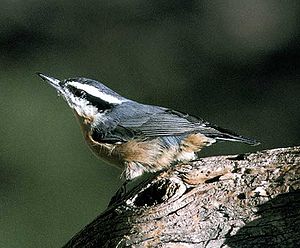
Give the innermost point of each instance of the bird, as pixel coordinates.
(133, 136)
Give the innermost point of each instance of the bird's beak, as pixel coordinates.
(52, 81)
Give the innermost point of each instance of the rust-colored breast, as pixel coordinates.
(151, 155)
(104, 151)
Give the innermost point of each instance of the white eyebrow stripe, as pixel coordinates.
(96, 93)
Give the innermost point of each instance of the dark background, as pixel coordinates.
(234, 63)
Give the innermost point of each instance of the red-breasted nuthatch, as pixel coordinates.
(136, 137)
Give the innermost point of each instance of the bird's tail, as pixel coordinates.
(227, 135)
(241, 139)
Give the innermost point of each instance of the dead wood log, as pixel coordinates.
(246, 200)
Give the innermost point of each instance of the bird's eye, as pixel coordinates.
(75, 91)
(79, 93)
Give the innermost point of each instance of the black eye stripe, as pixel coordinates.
(99, 103)
(95, 101)
(77, 92)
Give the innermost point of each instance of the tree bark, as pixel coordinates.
(246, 200)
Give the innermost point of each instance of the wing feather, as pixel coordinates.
(146, 121)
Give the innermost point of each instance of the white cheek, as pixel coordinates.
(82, 107)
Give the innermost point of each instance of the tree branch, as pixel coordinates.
(246, 200)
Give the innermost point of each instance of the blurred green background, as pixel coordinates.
(234, 63)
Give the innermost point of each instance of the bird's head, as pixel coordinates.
(88, 98)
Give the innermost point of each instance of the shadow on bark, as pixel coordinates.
(277, 226)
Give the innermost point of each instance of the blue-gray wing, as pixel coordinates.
(164, 123)
(146, 121)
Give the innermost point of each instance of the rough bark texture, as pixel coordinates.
(246, 200)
